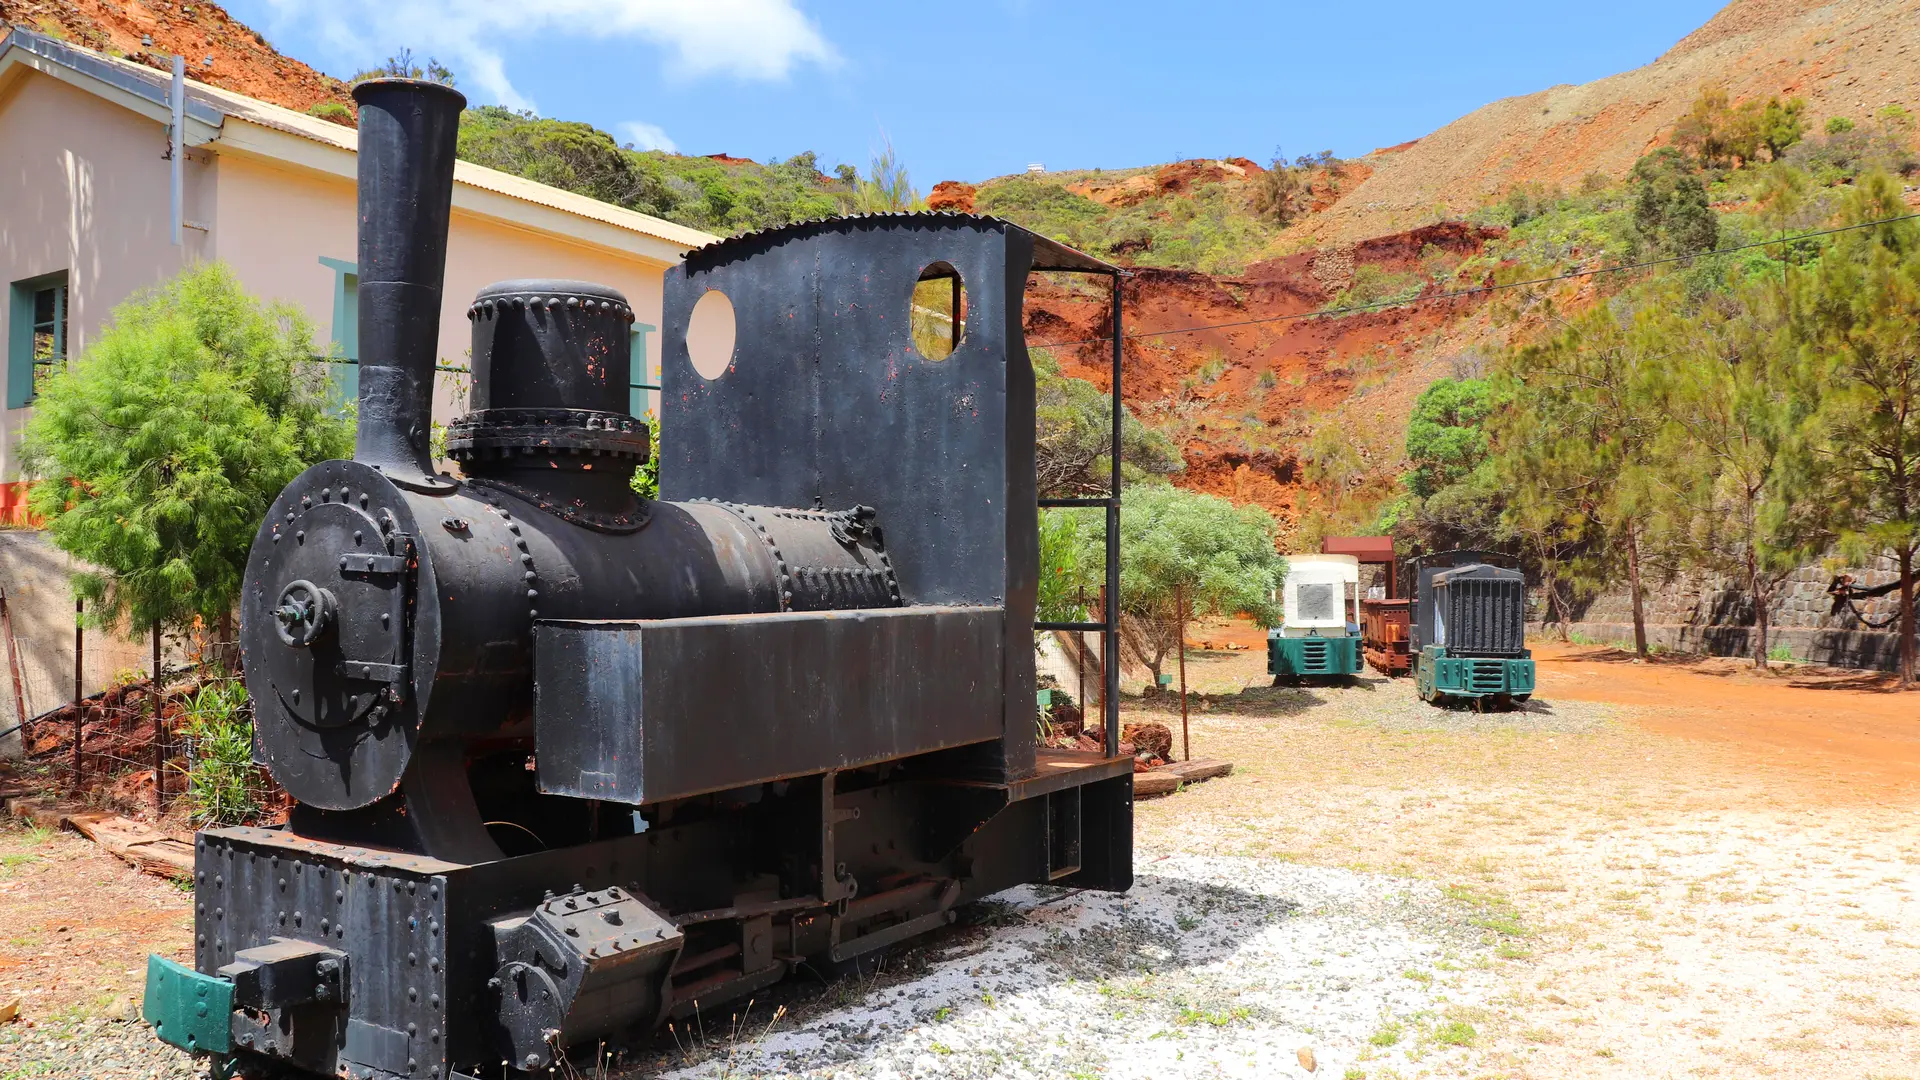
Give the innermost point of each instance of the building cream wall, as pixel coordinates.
(84, 188)
(314, 216)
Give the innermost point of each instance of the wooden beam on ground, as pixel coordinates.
(1167, 779)
(147, 849)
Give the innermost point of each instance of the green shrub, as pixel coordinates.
(334, 111)
(224, 786)
(1373, 285)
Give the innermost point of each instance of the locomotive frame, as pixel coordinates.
(568, 763)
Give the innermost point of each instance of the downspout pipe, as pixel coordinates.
(408, 130)
(177, 147)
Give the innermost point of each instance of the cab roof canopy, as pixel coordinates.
(1368, 549)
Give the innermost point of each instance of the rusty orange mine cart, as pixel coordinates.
(1385, 621)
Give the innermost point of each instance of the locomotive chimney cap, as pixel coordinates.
(374, 86)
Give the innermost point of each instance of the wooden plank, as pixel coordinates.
(1203, 769)
(166, 857)
(148, 849)
(1155, 782)
(1166, 779)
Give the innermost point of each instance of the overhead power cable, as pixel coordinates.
(1480, 290)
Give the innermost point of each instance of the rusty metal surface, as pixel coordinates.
(408, 129)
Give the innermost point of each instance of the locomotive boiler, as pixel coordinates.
(568, 762)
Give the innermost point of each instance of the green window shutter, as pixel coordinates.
(345, 359)
(642, 379)
(19, 346)
(36, 334)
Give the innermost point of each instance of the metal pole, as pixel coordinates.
(955, 312)
(1112, 606)
(1080, 668)
(177, 145)
(159, 731)
(79, 665)
(1180, 602)
(13, 666)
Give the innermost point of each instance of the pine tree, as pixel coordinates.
(1736, 456)
(1577, 441)
(158, 452)
(1857, 308)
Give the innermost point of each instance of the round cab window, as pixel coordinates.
(938, 315)
(710, 335)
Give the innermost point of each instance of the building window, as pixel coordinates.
(644, 377)
(343, 361)
(38, 330)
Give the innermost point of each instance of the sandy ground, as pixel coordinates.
(1656, 870)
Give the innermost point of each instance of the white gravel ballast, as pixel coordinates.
(1209, 967)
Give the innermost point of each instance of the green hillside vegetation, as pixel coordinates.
(1217, 226)
(704, 193)
(1741, 413)
(1212, 229)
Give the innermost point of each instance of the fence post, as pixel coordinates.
(79, 699)
(1180, 644)
(159, 731)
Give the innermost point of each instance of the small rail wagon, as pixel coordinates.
(1384, 620)
(1469, 629)
(1319, 633)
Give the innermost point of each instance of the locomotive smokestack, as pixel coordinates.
(408, 129)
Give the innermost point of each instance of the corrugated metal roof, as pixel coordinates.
(211, 105)
(1047, 254)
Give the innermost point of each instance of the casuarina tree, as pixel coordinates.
(158, 452)
(1855, 309)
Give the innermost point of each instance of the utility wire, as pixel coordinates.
(1481, 290)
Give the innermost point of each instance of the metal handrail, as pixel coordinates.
(1109, 624)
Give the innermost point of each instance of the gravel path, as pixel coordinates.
(93, 1049)
(1210, 967)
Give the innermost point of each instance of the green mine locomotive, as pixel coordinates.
(1470, 629)
(1319, 635)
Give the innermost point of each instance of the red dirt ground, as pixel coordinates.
(1853, 726)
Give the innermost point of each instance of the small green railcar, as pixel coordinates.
(1319, 634)
(1469, 631)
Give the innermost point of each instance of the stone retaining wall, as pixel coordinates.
(1699, 613)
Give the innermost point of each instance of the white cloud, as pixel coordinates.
(645, 136)
(746, 39)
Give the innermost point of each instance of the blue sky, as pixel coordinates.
(968, 91)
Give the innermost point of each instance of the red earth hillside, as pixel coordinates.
(1242, 399)
(242, 59)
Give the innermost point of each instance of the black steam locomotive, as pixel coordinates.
(569, 762)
